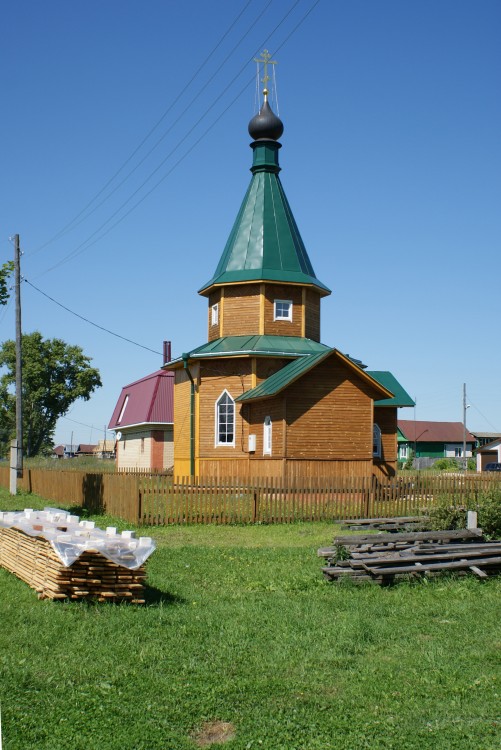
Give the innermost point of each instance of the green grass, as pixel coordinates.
(242, 628)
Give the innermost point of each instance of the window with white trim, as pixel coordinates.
(267, 436)
(122, 410)
(225, 420)
(376, 441)
(403, 450)
(215, 314)
(282, 309)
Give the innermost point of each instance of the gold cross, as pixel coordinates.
(265, 60)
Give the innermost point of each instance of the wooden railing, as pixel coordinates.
(156, 499)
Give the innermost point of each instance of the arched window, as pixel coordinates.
(267, 436)
(225, 420)
(376, 441)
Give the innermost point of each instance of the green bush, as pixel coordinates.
(487, 504)
(444, 516)
(446, 464)
(409, 464)
(488, 507)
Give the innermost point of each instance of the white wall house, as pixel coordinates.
(143, 423)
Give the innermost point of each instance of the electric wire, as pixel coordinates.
(96, 325)
(66, 228)
(83, 424)
(83, 218)
(89, 242)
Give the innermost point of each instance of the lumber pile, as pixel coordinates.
(403, 523)
(382, 558)
(63, 558)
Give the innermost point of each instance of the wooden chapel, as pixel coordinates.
(264, 397)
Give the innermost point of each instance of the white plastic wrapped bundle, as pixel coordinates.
(70, 537)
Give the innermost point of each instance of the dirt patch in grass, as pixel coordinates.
(214, 732)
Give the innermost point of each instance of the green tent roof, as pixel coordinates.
(265, 244)
(389, 381)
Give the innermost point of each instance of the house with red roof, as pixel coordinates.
(143, 423)
(433, 440)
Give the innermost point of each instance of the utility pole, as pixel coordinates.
(16, 462)
(465, 460)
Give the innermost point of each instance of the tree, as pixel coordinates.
(5, 271)
(55, 375)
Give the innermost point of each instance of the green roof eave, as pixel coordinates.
(299, 367)
(284, 377)
(270, 346)
(389, 381)
(249, 275)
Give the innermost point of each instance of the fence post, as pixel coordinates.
(367, 498)
(255, 505)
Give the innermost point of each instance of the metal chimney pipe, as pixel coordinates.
(167, 351)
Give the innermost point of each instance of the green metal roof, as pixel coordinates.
(265, 244)
(284, 377)
(389, 381)
(293, 371)
(278, 346)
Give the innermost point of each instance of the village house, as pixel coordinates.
(263, 397)
(429, 441)
(143, 422)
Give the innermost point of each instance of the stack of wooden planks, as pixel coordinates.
(404, 523)
(382, 558)
(62, 557)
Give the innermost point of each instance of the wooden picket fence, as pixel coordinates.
(146, 498)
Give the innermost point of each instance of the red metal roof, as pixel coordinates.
(149, 400)
(433, 432)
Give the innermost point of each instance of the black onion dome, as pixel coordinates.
(266, 125)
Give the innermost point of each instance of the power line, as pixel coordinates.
(83, 424)
(76, 223)
(67, 226)
(86, 244)
(102, 328)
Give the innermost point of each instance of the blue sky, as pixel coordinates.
(391, 162)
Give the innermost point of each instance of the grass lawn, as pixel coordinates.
(241, 628)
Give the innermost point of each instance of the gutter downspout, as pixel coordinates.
(192, 414)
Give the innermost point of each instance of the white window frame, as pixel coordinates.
(403, 451)
(122, 410)
(267, 436)
(376, 441)
(277, 310)
(217, 433)
(215, 314)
